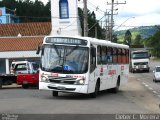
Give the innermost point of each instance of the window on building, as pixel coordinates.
(63, 9)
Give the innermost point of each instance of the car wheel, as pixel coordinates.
(55, 93)
(155, 80)
(25, 86)
(0, 83)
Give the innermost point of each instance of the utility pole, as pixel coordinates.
(112, 8)
(85, 18)
(108, 25)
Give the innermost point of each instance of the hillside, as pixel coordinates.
(144, 31)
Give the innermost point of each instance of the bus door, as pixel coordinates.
(92, 70)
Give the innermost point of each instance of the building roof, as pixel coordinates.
(20, 43)
(25, 29)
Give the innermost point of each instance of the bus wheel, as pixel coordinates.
(116, 89)
(25, 86)
(55, 93)
(94, 94)
(0, 83)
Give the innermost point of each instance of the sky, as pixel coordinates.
(134, 13)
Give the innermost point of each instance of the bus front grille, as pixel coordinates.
(62, 80)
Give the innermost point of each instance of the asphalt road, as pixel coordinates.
(140, 96)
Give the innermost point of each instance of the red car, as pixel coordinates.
(27, 73)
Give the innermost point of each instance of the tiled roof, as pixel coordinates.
(25, 29)
(20, 43)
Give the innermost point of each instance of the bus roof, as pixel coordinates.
(96, 41)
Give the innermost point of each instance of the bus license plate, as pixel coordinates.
(61, 88)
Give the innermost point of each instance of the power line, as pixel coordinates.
(112, 8)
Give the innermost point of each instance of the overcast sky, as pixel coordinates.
(133, 13)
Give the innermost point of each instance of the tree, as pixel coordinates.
(115, 39)
(137, 40)
(92, 24)
(154, 44)
(127, 38)
(29, 11)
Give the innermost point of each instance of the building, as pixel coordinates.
(65, 20)
(8, 16)
(20, 41)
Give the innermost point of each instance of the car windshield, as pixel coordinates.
(140, 55)
(64, 59)
(21, 66)
(157, 69)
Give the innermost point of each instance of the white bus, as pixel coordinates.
(82, 65)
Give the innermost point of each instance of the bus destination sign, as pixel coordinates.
(63, 40)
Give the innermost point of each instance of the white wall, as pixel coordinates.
(18, 54)
(69, 26)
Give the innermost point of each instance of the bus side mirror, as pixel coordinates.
(93, 51)
(38, 50)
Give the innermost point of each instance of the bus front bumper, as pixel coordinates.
(64, 88)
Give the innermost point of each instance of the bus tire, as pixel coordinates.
(1, 83)
(94, 94)
(116, 89)
(55, 93)
(25, 86)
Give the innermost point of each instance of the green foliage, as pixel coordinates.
(128, 38)
(29, 11)
(92, 24)
(154, 44)
(137, 40)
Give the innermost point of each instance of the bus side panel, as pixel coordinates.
(124, 73)
(105, 78)
(114, 73)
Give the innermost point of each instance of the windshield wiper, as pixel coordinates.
(72, 50)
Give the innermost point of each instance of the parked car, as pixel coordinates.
(27, 73)
(156, 73)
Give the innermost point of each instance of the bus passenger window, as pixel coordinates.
(109, 55)
(104, 57)
(99, 55)
(123, 56)
(114, 55)
(119, 55)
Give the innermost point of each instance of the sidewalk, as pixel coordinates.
(14, 85)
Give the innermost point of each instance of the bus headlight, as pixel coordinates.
(80, 82)
(44, 79)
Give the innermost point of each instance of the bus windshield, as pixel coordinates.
(65, 59)
(140, 55)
